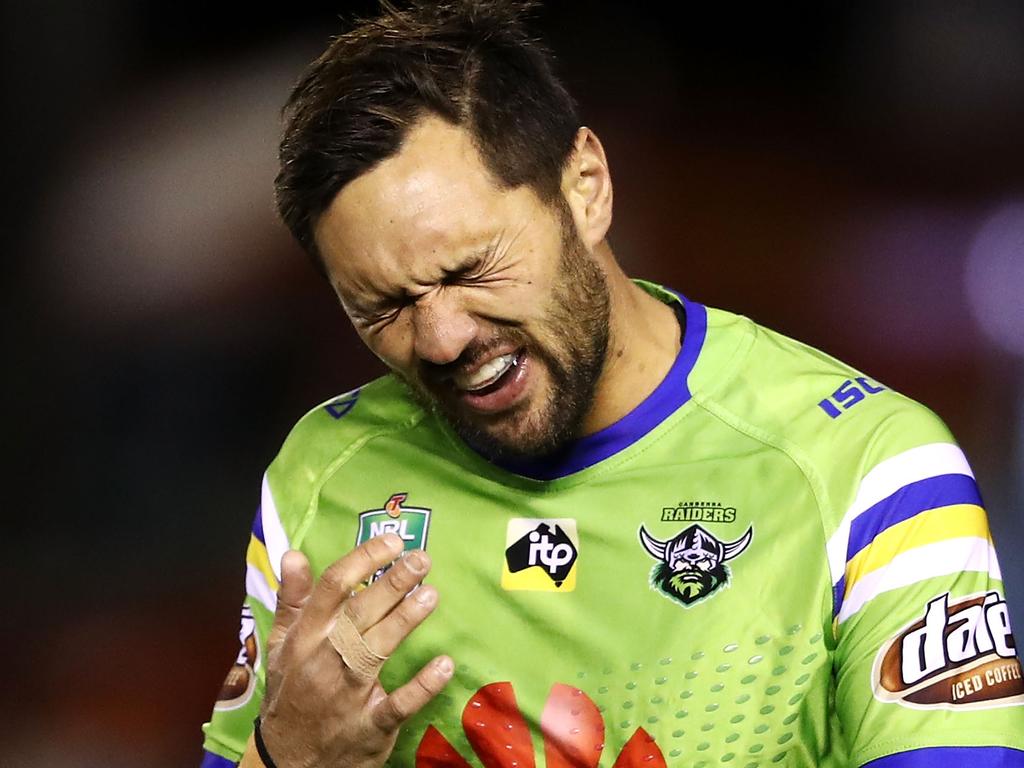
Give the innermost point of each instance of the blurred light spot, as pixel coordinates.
(169, 204)
(994, 278)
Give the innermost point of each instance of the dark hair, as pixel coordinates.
(469, 62)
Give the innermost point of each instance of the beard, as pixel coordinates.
(576, 319)
(690, 585)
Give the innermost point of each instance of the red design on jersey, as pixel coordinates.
(434, 751)
(640, 750)
(572, 728)
(496, 729)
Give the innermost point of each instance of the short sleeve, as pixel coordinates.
(926, 662)
(238, 702)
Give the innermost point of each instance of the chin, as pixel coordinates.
(518, 435)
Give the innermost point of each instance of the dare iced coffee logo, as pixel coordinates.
(959, 655)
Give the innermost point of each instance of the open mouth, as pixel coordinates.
(495, 386)
(487, 375)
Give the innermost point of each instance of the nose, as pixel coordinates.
(442, 328)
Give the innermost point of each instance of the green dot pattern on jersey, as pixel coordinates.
(742, 698)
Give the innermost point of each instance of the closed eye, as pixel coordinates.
(383, 314)
(487, 267)
(467, 273)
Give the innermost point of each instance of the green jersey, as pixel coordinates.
(773, 560)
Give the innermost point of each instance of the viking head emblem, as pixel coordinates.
(691, 565)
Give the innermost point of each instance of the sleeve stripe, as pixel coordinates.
(211, 760)
(838, 595)
(941, 757)
(257, 557)
(257, 588)
(942, 558)
(908, 501)
(953, 522)
(275, 537)
(887, 478)
(257, 526)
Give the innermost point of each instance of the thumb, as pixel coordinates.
(296, 587)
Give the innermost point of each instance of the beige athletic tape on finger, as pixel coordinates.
(354, 651)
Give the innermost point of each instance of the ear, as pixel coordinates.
(587, 187)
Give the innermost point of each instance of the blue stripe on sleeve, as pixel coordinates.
(941, 491)
(257, 526)
(943, 757)
(211, 760)
(838, 593)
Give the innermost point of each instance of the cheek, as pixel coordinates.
(393, 345)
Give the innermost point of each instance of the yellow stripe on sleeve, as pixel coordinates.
(951, 522)
(257, 557)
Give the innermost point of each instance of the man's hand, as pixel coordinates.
(324, 704)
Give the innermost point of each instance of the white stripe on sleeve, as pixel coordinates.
(273, 531)
(942, 558)
(256, 586)
(885, 479)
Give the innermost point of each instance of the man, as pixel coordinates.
(636, 531)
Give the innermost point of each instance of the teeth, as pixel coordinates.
(486, 374)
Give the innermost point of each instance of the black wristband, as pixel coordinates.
(261, 748)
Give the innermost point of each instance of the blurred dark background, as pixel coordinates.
(851, 176)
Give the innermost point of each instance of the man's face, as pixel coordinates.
(483, 300)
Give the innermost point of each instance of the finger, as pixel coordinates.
(373, 604)
(296, 587)
(341, 577)
(390, 631)
(402, 703)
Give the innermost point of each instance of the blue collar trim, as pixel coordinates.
(666, 399)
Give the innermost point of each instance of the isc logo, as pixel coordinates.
(540, 555)
(848, 395)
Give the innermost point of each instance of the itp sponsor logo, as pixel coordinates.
(540, 555)
(551, 555)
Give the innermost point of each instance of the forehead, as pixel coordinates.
(431, 200)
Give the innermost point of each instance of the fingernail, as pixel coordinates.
(416, 561)
(393, 541)
(445, 666)
(424, 596)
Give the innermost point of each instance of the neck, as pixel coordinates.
(643, 342)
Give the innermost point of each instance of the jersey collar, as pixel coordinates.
(667, 397)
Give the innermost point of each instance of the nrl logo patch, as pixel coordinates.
(410, 524)
(691, 565)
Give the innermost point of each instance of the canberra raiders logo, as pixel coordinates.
(691, 565)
